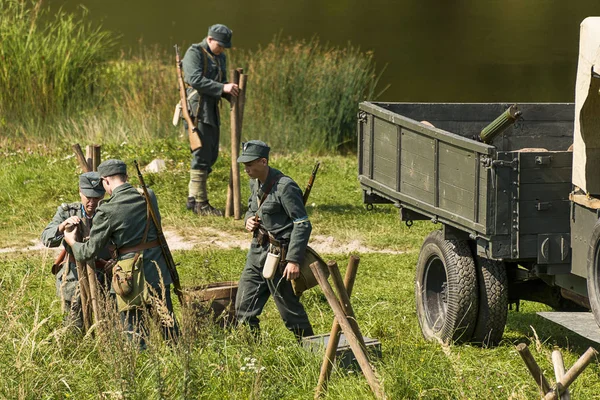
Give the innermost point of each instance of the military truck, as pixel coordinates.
(518, 216)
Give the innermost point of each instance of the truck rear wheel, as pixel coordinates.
(593, 276)
(446, 290)
(493, 302)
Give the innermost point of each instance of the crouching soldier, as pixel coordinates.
(279, 223)
(90, 193)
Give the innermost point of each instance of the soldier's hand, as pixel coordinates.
(252, 223)
(291, 271)
(232, 89)
(70, 236)
(74, 220)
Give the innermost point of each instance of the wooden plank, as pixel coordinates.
(428, 131)
(421, 207)
(534, 224)
(545, 209)
(582, 199)
(456, 194)
(543, 175)
(464, 209)
(417, 192)
(479, 111)
(544, 191)
(551, 159)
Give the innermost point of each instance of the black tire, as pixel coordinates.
(493, 302)
(446, 290)
(593, 273)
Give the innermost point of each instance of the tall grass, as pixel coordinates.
(303, 94)
(61, 81)
(50, 64)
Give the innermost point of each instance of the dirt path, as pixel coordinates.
(215, 239)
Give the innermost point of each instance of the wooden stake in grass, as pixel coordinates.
(233, 203)
(334, 336)
(359, 353)
(565, 381)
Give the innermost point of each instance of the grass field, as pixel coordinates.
(39, 359)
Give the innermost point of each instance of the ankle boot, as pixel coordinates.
(191, 204)
(204, 208)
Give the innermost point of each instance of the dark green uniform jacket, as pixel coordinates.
(206, 73)
(65, 285)
(122, 219)
(282, 214)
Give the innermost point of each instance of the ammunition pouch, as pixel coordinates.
(129, 283)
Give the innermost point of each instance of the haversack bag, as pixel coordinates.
(129, 283)
(307, 280)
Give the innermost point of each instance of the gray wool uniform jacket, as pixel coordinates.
(122, 220)
(207, 74)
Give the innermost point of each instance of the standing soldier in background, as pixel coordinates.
(279, 223)
(205, 71)
(124, 220)
(90, 192)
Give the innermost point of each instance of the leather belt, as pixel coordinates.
(139, 247)
(277, 243)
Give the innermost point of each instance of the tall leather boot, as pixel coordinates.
(198, 180)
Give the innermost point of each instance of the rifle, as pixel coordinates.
(193, 134)
(311, 180)
(164, 246)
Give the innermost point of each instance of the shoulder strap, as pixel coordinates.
(268, 190)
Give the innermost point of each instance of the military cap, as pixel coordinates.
(221, 34)
(90, 184)
(112, 167)
(253, 150)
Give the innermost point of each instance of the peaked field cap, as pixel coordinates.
(90, 184)
(253, 150)
(112, 167)
(221, 34)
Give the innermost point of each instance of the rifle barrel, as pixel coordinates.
(164, 246)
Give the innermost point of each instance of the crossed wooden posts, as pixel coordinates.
(344, 321)
(563, 380)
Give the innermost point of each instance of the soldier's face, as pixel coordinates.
(257, 168)
(89, 203)
(215, 47)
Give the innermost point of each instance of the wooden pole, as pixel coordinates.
(93, 283)
(559, 372)
(89, 156)
(230, 203)
(534, 368)
(242, 101)
(572, 374)
(358, 351)
(80, 157)
(334, 336)
(96, 154)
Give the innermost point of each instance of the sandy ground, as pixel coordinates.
(212, 238)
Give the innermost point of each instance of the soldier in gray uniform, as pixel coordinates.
(278, 220)
(205, 71)
(122, 219)
(90, 193)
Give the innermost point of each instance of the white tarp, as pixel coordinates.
(586, 140)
